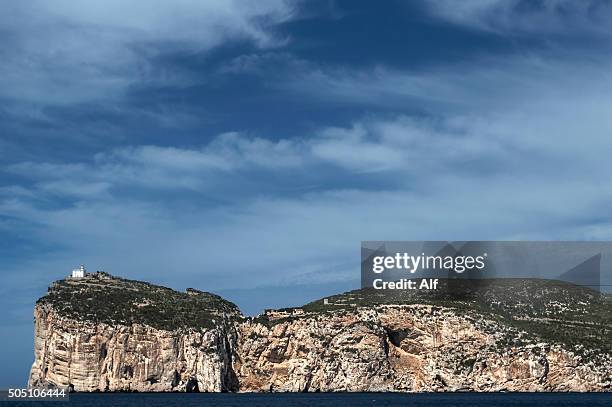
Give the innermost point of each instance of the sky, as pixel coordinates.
(247, 148)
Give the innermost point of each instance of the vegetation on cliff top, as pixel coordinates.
(555, 311)
(102, 298)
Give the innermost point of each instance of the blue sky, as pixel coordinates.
(241, 147)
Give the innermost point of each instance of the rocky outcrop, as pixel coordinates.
(89, 357)
(416, 348)
(379, 347)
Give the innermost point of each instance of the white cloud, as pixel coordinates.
(494, 175)
(520, 16)
(157, 167)
(198, 24)
(241, 150)
(486, 83)
(402, 145)
(269, 240)
(64, 52)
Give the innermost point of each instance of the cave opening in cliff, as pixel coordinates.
(192, 385)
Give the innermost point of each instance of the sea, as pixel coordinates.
(328, 399)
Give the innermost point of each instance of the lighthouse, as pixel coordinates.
(79, 273)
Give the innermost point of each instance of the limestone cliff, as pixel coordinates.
(353, 342)
(407, 348)
(102, 333)
(84, 356)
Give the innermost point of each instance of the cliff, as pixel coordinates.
(102, 333)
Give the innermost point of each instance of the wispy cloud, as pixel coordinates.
(401, 145)
(563, 17)
(96, 50)
(492, 175)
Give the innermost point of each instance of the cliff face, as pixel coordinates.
(380, 347)
(98, 357)
(406, 348)
(102, 333)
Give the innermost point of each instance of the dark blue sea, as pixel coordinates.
(329, 399)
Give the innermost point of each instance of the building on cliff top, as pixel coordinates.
(283, 313)
(79, 273)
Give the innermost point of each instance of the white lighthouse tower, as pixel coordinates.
(79, 273)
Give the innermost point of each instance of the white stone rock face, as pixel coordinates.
(408, 348)
(89, 357)
(405, 348)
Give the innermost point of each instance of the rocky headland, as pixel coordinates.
(103, 333)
